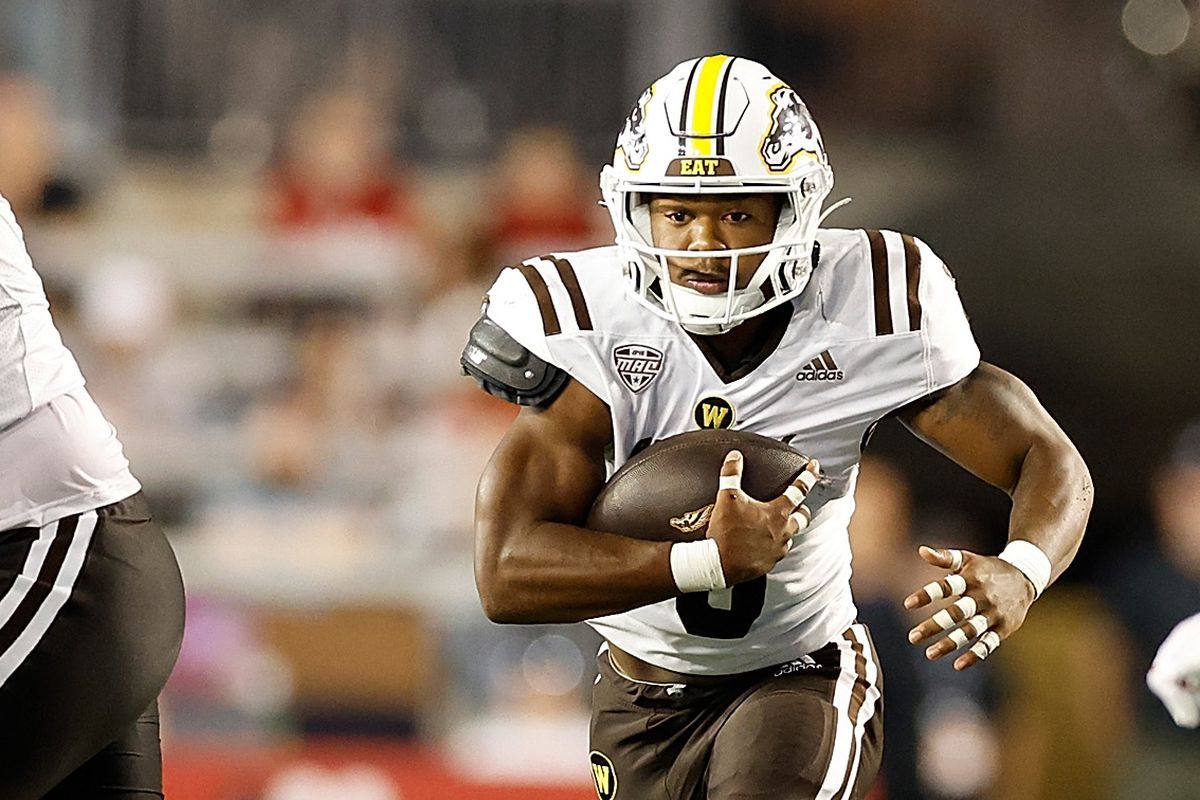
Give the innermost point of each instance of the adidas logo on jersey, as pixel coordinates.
(799, 665)
(821, 368)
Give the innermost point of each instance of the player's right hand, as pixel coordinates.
(753, 536)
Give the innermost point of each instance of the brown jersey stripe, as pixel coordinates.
(567, 273)
(858, 696)
(32, 601)
(912, 272)
(879, 269)
(542, 292)
(828, 359)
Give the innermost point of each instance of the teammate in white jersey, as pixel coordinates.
(723, 305)
(91, 600)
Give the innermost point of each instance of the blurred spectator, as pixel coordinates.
(228, 680)
(880, 538)
(542, 200)
(126, 315)
(337, 200)
(929, 708)
(530, 688)
(125, 324)
(314, 463)
(433, 340)
(428, 525)
(311, 435)
(28, 151)
(1064, 715)
(443, 459)
(337, 166)
(1152, 585)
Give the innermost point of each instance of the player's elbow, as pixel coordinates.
(495, 609)
(492, 569)
(1071, 473)
(503, 613)
(488, 583)
(497, 606)
(1074, 471)
(499, 598)
(1082, 481)
(499, 594)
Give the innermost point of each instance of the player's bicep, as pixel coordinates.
(986, 423)
(549, 466)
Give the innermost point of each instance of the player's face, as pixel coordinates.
(712, 222)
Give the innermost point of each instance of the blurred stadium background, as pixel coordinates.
(265, 228)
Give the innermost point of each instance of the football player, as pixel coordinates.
(91, 599)
(733, 666)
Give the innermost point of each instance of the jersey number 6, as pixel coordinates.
(706, 614)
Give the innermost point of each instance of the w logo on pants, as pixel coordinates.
(604, 775)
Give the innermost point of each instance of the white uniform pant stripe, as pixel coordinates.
(57, 597)
(843, 733)
(897, 281)
(33, 565)
(870, 702)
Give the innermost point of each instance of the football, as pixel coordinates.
(666, 492)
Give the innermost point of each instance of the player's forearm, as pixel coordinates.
(1051, 501)
(550, 572)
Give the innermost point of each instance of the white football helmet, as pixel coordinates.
(718, 124)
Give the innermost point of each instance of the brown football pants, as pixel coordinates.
(79, 677)
(809, 729)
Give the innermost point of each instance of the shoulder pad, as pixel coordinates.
(503, 367)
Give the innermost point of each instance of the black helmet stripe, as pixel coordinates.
(721, 108)
(687, 102)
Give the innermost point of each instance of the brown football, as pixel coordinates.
(665, 492)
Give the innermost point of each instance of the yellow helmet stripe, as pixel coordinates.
(704, 97)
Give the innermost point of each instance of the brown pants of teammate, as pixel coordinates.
(92, 619)
(809, 729)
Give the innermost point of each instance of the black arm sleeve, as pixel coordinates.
(503, 367)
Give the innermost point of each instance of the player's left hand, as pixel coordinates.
(991, 598)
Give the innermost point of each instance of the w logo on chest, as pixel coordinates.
(637, 365)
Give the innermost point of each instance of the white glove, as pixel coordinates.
(1175, 674)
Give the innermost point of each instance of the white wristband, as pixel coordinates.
(696, 566)
(1033, 563)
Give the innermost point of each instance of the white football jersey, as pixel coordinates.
(58, 455)
(880, 325)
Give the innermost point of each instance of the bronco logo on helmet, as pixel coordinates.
(792, 131)
(632, 141)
